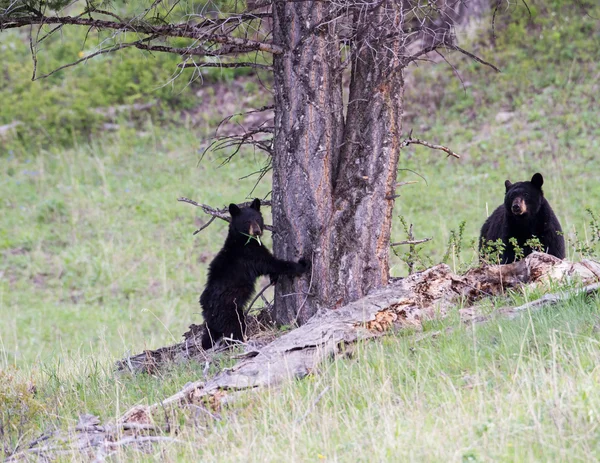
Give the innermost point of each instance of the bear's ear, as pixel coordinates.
(234, 210)
(507, 184)
(255, 204)
(537, 180)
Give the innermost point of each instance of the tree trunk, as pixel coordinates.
(359, 232)
(332, 184)
(308, 130)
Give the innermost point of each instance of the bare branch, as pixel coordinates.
(206, 225)
(120, 46)
(473, 57)
(260, 293)
(222, 214)
(400, 243)
(182, 30)
(406, 183)
(242, 64)
(415, 141)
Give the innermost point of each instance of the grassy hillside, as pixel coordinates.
(98, 260)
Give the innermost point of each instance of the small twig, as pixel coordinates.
(222, 214)
(241, 64)
(212, 219)
(399, 243)
(261, 292)
(416, 141)
(472, 56)
(399, 184)
(313, 405)
(406, 183)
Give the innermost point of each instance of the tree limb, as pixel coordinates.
(223, 213)
(241, 64)
(416, 141)
(399, 243)
(182, 30)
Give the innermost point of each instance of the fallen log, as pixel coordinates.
(404, 303)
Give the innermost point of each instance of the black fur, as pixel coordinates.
(509, 221)
(233, 273)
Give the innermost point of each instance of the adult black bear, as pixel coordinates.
(233, 273)
(525, 214)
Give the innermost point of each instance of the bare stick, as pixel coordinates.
(222, 214)
(551, 299)
(416, 141)
(257, 296)
(241, 64)
(212, 219)
(313, 405)
(472, 56)
(406, 183)
(400, 243)
(168, 30)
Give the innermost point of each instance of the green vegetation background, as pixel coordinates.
(98, 258)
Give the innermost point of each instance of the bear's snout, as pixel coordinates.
(255, 229)
(518, 206)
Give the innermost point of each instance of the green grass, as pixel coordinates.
(98, 260)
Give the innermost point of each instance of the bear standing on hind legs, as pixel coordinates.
(524, 215)
(233, 273)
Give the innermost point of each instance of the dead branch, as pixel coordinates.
(400, 243)
(220, 143)
(399, 184)
(473, 57)
(206, 225)
(223, 213)
(260, 293)
(240, 64)
(550, 299)
(182, 30)
(416, 141)
(404, 303)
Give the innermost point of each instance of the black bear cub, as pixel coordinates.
(524, 215)
(233, 273)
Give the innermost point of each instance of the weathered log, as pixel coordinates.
(403, 303)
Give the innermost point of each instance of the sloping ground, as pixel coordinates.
(403, 304)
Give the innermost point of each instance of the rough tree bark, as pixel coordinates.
(308, 130)
(333, 180)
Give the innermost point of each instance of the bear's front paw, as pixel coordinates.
(273, 277)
